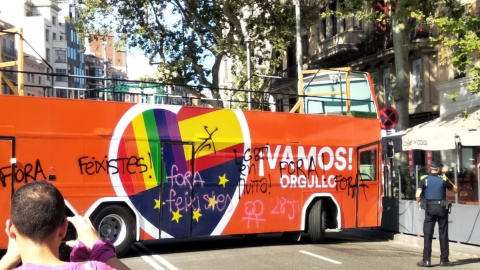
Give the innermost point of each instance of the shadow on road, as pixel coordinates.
(466, 261)
(169, 246)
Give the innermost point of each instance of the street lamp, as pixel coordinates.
(248, 40)
(299, 51)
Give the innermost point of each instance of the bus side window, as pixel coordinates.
(368, 165)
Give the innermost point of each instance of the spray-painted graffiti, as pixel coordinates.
(131, 165)
(312, 170)
(30, 172)
(349, 184)
(184, 200)
(309, 168)
(255, 186)
(177, 179)
(253, 213)
(216, 201)
(251, 162)
(207, 142)
(285, 207)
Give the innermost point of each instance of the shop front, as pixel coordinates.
(454, 139)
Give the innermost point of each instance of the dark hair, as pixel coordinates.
(435, 165)
(38, 209)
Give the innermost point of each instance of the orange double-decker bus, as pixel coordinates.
(152, 171)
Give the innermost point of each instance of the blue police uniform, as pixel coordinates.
(434, 189)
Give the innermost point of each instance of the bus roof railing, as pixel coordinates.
(299, 106)
(160, 93)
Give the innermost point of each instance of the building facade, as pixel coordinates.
(74, 56)
(35, 78)
(7, 54)
(49, 34)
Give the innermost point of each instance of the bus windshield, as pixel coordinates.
(327, 93)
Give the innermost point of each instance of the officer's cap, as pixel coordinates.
(436, 164)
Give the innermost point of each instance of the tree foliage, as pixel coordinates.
(184, 33)
(453, 28)
(458, 29)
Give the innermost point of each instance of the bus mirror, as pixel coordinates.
(390, 150)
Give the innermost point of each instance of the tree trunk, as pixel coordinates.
(401, 90)
(215, 71)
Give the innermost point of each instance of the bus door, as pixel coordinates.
(7, 181)
(176, 189)
(368, 181)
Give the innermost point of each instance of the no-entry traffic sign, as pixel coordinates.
(388, 117)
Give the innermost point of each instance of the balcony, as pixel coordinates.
(375, 42)
(420, 34)
(338, 50)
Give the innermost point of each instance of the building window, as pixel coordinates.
(62, 93)
(39, 80)
(357, 23)
(61, 71)
(54, 20)
(47, 54)
(417, 81)
(333, 17)
(47, 34)
(61, 37)
(60, 56)
(54, 36)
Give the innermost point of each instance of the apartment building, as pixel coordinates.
(45, 24)
(73, 55)
(333, 41)
(35, 79)
(7, 54)
(101, 49)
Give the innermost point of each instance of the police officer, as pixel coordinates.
(434, 188)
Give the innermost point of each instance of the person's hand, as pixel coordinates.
(12, 257)
(85, 231)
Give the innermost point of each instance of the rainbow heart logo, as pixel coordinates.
(180, 167)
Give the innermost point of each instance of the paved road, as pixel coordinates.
(341, 251)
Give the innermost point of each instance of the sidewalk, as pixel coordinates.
(416, 241)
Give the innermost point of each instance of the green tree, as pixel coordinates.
(453, 29)
(458, 34)
(183, 33)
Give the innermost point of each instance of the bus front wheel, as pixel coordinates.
(317, 222)
(116, 223)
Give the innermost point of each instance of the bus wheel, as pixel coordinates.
(317, 222)
(117, 224)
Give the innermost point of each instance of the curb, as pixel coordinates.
(416, 241)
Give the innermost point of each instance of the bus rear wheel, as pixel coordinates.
(317, 222)
(116, 223)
